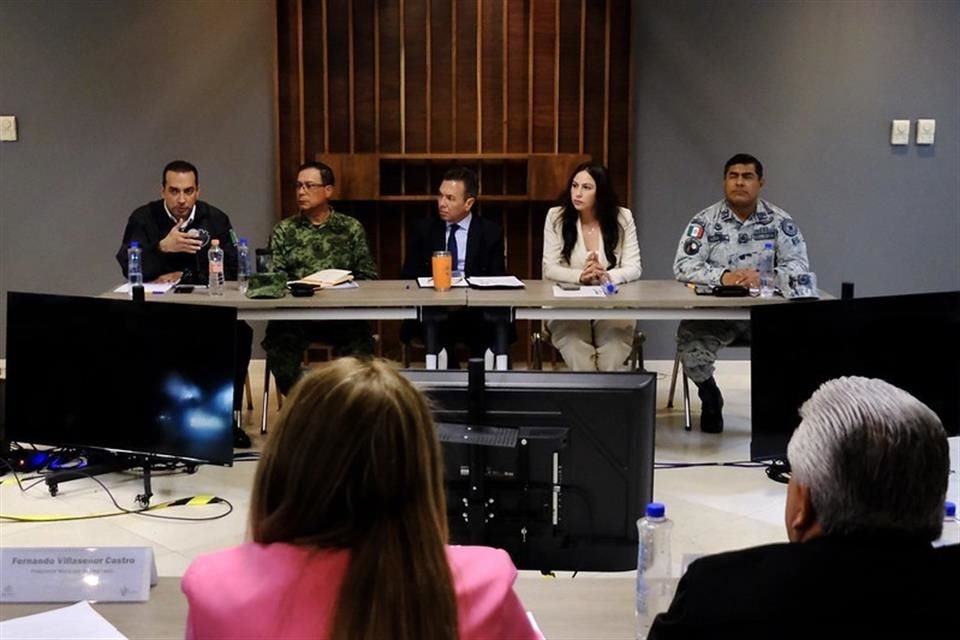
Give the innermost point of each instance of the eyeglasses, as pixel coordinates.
(309, 185)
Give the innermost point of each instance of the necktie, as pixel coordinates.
(452, 246)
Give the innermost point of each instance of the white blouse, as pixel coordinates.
(556, 268)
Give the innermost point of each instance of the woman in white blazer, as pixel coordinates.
(590, 240)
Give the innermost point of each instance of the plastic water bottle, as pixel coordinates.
(243, 265)
(215, 258)
(765, 266)
(951, 527)
(656, 583)
(134, 266)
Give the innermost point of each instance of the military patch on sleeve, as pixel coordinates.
(695, 230)
(789, 228)
(691, 247)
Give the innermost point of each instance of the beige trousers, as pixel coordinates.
(593, 345)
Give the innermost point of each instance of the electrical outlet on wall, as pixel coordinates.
(8, 128)
(900, 132)
(926, 128)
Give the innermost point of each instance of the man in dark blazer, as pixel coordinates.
(173, 250)
(866, 497)
(477, 247)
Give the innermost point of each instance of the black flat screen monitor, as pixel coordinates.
(147, 378)
(911, 341)
(568, 493)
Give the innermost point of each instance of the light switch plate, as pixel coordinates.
(900, 132)
(8, 128)
(926, 128)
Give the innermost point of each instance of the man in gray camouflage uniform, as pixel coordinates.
(316, 238)
(722, 246)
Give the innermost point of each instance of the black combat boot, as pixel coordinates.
(711, 406)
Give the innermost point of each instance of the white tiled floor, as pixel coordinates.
(714, 508)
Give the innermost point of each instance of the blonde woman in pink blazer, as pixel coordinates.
(348, 520)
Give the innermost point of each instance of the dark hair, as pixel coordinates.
(607, 210)
(467, 177)
(326, 173)
(744, 158)
(180, 166)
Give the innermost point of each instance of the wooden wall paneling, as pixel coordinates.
(338, 38)
(389, 66)
(618, 146)
(517, 62)
(415, 76)
(357, 175)
(390, 256)
(543, 20)
(593, 79)
(441, 77)
(492, 90)
(465, 91)
(569, 75)
(315, 80)
(549, 172)
(364, 75)
(351, 107)
(387, 90)
(289, 97)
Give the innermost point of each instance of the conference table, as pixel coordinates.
(536, 300)
(588, 606)
(404, 299)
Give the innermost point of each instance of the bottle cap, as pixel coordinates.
(134, 244)
(768, 245)
(656, 510)
(243, 241)
(949, 509)
(215, 242)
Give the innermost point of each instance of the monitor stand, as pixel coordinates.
(120, 463)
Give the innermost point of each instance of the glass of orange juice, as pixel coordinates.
(442, 266)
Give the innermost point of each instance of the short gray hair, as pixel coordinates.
(873, 457)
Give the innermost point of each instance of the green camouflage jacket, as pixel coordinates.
(301, 247)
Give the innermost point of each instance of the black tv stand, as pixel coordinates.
(122, 463)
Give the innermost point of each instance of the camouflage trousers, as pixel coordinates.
(285, 341)
(698, 342)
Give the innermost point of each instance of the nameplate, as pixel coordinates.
(71, 574)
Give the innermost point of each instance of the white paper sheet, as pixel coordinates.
(427, 283)
(582, 292)
(76, 622)
(148, 287)
(508, 282)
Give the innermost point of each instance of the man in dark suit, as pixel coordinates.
(866, 497)
(476, 246)
(173, 233)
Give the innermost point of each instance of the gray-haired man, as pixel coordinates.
(869, 475)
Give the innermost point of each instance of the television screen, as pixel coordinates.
(569, 469)
(910, 341)
(148, 378)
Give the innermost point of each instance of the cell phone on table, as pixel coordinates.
(183, 288)
(568, 286)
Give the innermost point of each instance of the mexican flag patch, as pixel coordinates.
(695, 230)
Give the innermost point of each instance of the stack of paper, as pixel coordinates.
(325, 279)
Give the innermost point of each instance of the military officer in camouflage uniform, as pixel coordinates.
(316, 238)
(722, 245)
